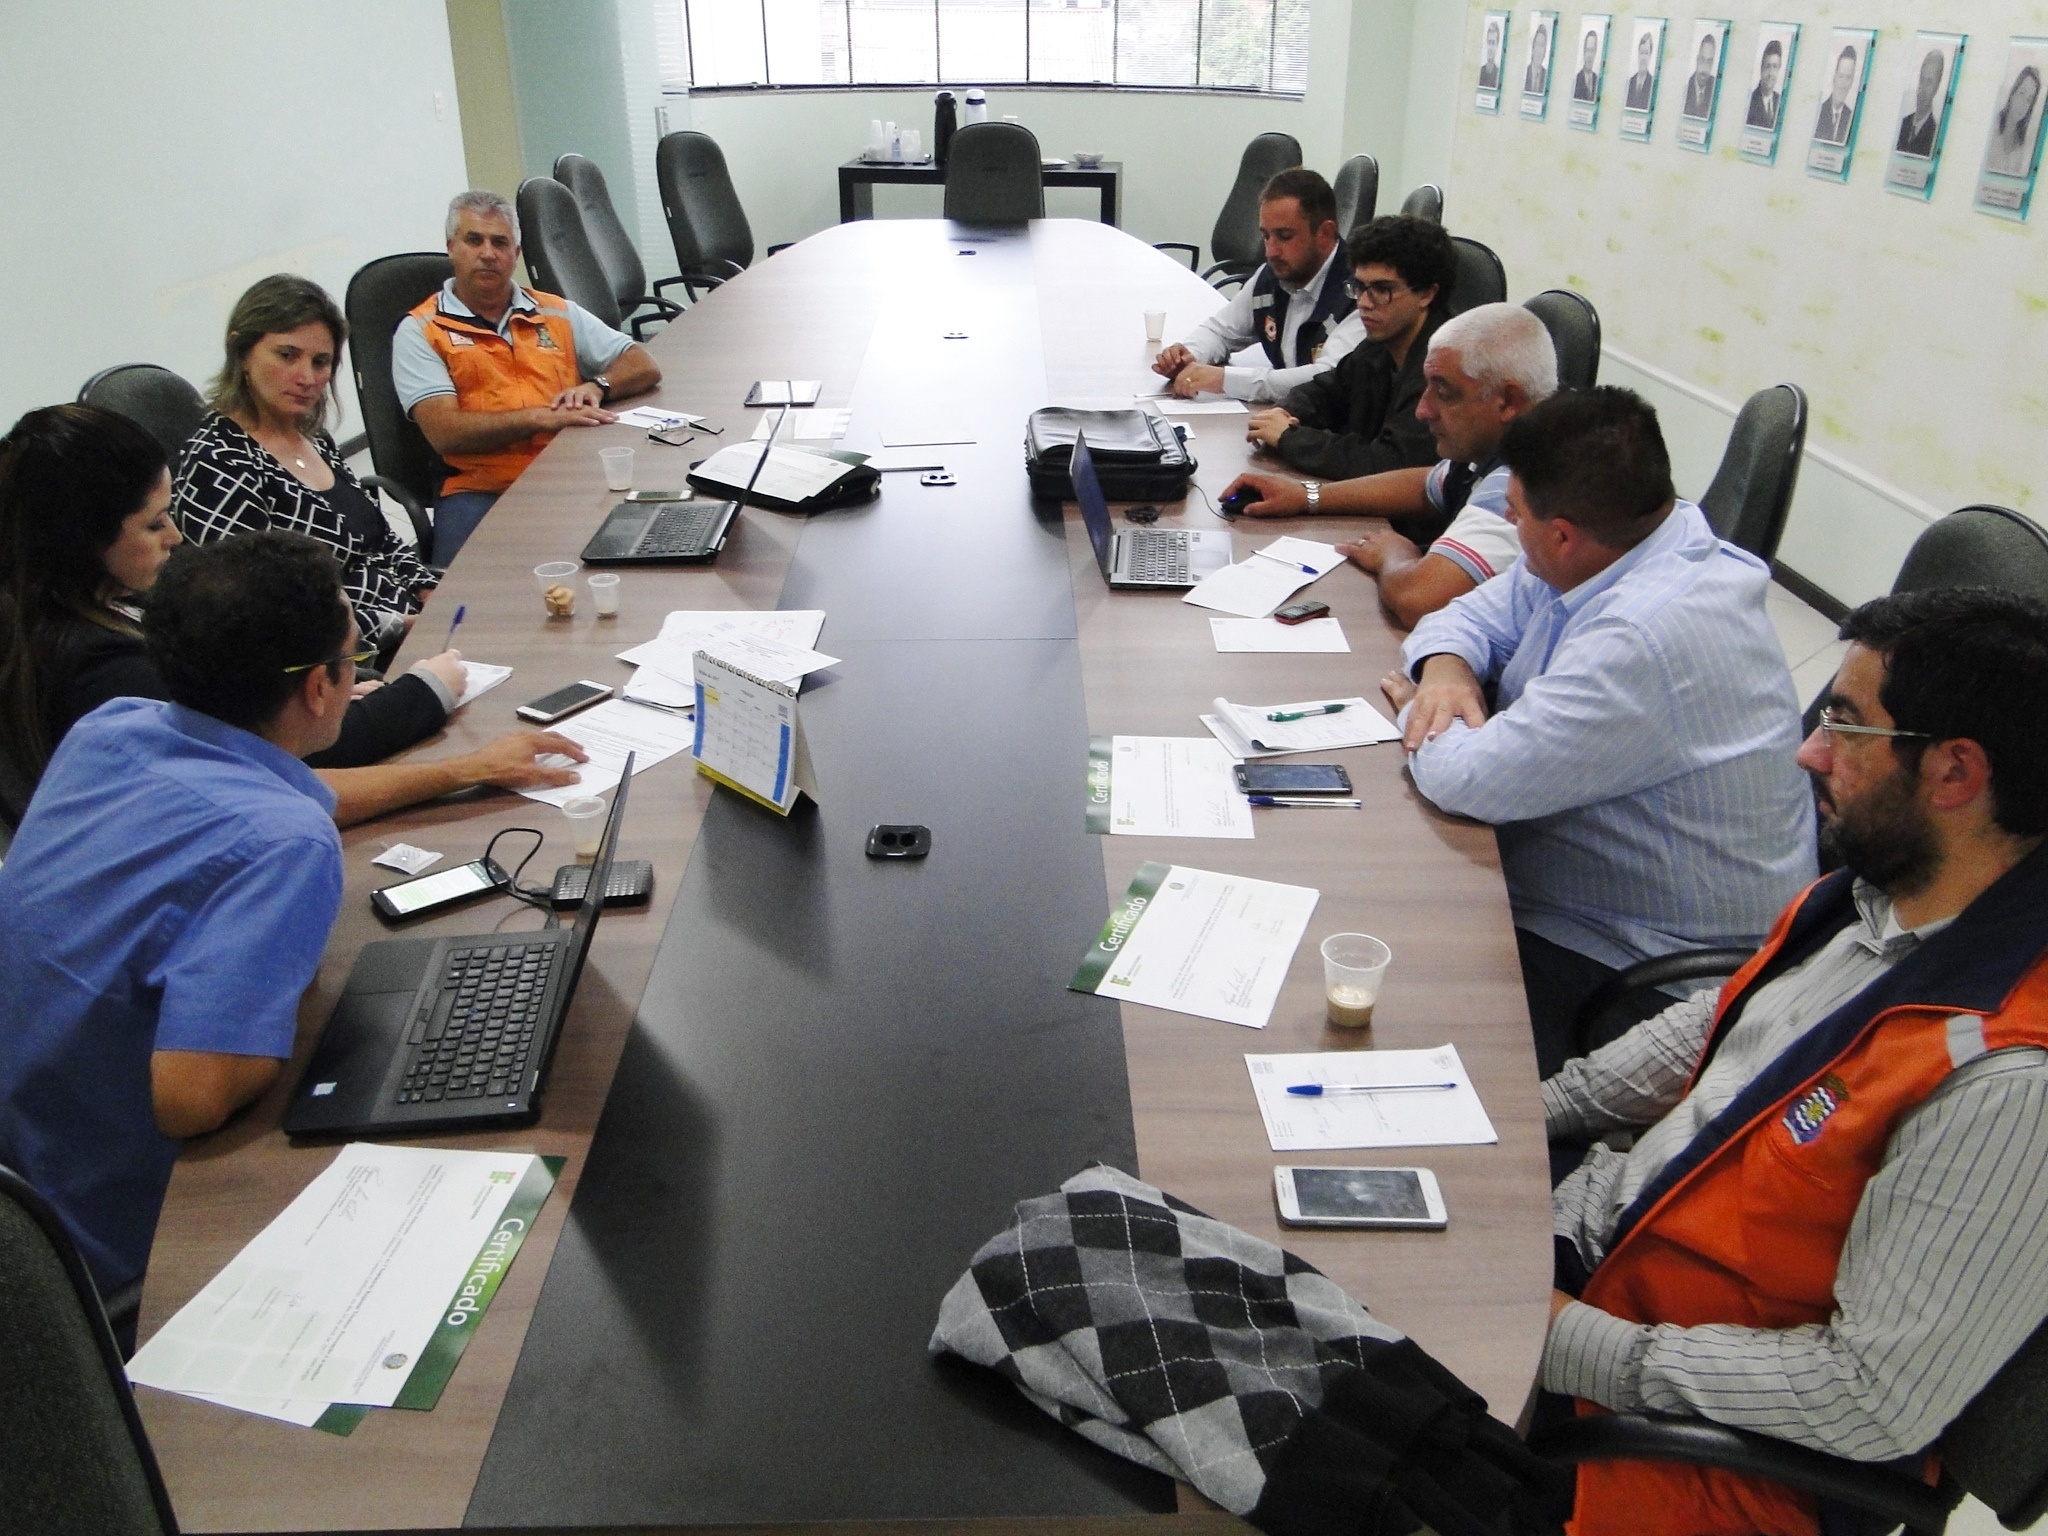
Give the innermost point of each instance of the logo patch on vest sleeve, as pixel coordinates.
(1810, 1111)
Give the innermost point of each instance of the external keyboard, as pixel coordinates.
(478, 1045)
(1160, 555)
(681, 529)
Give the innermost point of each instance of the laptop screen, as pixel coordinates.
(1094, 507)
(600, 876)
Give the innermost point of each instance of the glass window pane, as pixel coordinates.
(1155, 42)
(671, 45)
(981, 41)
(895, 42)
(725, 43)
(1290, 47)
(1073, 40)
(806, 40)
(1236, 35)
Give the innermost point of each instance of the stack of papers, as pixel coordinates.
(666, 678)
(1201, 405)
(1253, 588)
(609, 733)
(1414, 1117)
(1164, 786)
(478, 679)
(1248, 730)
(791, 474)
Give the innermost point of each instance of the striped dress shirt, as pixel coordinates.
(1639, 765)
(1939, 1278)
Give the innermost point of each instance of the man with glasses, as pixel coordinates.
(1359, 418)
(1832, 1223)
(170, 891)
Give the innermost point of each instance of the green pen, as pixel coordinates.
(1280, 715)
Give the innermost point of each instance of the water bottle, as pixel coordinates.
(943, 122)
(977, 106)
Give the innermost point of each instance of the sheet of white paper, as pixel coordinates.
(1321, 558)
(1251, 589)
(304, 1412)
(478, 679)
(1272, 635)
(1201, 405)
(1217, 946)
(768, 659)
(1449, 1118)
(655, 420)
(1245, 729)
(651, 685)
(1174, 786)
(406, 859)
(333, 1301)
(793, 474)
(810, 426)
(684, 632)
(792, 626)
(608, 732)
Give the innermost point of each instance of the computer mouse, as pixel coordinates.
(1234, 505)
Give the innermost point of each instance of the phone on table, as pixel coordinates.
(424, 895)
(562, 703)
(1301, 613)
(1292, 779)
(675, 437)
(1400, 1198)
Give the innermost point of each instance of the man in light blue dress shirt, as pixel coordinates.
(1638, 759)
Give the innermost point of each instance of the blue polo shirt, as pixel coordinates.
(171, 888)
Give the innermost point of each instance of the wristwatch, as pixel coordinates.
(604, 387)
(1315, 494)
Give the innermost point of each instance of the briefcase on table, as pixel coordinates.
(1138, 456)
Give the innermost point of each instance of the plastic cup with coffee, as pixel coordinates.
(1354, 965)
(585, 815)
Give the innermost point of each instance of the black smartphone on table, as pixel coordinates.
(424, 895)
(1292, 779)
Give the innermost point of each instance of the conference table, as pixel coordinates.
(801, 1087)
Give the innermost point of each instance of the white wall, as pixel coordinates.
(162, 158)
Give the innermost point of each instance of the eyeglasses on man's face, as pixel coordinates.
(1375, 293)
(1836, 727)
(354, 661)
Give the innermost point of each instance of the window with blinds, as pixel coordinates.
(1209, 45)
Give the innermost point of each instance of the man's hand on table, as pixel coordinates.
(1448, 691)
(510, 761)
(1371, 550)
(1198, 378)
(1278, 496)
(1267, 427)
(1171, 360)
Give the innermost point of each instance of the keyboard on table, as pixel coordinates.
(1156, 556)
(680, 529)
(479, 1045)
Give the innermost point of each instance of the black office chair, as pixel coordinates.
(1425, 202)
(155, 399)
(77, 1462)
(993, 175)
(379, 296)
(615, 250)
(706, 223)
(1235, 243)
(1752, 490)
(1979, 546)
(1358, 192)
(1606, 1012)
(1996, 1450)
(1574, 326)
(558, 250)
(1481, 278)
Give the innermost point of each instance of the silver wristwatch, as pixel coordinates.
(1315, 494)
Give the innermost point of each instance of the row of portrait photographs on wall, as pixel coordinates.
(1932, 65)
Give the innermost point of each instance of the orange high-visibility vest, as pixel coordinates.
(1747, 1225)
(531, 364)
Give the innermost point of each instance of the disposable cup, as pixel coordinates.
(604, 593)
(1155, 325)
(618, 468)
(585, 815)
(556, 593)
(1354, 965)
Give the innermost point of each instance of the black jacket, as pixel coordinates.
(1359, 417)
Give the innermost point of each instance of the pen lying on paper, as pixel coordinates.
(1317, 1090)
(1279, 715)
(1307, 800)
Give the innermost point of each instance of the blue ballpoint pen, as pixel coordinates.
(454, 624)
(1317, 1090)
(1313, 802)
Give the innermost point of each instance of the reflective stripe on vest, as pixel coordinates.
(534, 361)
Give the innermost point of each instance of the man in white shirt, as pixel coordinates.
(1294, 308)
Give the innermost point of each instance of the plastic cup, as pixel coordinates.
(555, 592)
(1354, 965)
(585, 815)
(1155, 325)
(604, 594)
(618, 468)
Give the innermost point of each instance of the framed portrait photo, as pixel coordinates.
(1704, 56)
(1583, 110)
(1536, 73)
(1639, 90)
(1932, 61)
(2012, 148)
(1763, 116)
(1493, 53)
(1845, 74)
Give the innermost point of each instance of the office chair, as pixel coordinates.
(1752, 490)
(1235, 242)
(1574, 326)
(558, 250)
(77, 1462)
(706, 223)
(378, 297)
(1602, 1005)
(1996, 1450)
(1425, 202)
(993, 175)
(1358, 193)
(1481, 278)
(616, 253)
(155, 399)
(1979, 546)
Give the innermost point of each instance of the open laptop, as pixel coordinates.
(661, 532)
(454, 1032)
(1142, 557)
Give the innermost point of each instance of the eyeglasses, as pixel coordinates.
(1835, 727)
(354, 661)
(1375, 293)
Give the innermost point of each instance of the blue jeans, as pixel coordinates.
(455, 519)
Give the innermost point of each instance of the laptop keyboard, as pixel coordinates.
(1156, 554)
(480, 1047)
(679, 530)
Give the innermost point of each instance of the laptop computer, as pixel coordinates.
(1142, 557)
(661, 532)
(450, 1033)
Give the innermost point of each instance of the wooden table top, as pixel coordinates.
(1475, 1295)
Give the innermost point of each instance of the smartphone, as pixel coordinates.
(444, 888)
(562, 703)
(1299, 613)
(675, 437)
(1360, 1197)
(1292, 779)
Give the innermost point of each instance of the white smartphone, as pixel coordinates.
(1360, 1197)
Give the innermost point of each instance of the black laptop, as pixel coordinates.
(661, 533)
(450, 1033)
